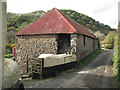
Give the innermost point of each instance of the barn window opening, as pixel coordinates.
(84, 40)
(63, 43)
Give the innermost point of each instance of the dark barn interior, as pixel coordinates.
(63, 43)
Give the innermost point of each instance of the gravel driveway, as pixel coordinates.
(97, 74)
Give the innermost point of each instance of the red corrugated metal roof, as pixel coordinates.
(54, 22)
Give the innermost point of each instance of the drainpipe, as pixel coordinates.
(3, 30)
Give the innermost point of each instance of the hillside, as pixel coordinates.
(16, 22)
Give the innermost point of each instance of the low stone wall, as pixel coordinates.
(59, 59)
(32, 47)
(84, 48)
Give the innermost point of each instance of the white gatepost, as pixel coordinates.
(3, 29)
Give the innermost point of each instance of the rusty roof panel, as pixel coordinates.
(54, 22)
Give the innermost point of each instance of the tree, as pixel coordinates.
(94, 28)
(11, 37)
(88, 25)
(109, 40)
(21, 19)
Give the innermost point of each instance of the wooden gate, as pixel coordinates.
(35, 66)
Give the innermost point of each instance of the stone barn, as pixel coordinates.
(53, 33)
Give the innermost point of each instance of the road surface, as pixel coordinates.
(97, 74)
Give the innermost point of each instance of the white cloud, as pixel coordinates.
(105, 11)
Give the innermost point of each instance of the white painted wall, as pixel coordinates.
(3, 29)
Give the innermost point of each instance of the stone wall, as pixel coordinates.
(83, 48)
(73, 38)
(32, 47)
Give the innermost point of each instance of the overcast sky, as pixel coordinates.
(104, 11)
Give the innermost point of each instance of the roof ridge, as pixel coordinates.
(71, 19)
(65, 19)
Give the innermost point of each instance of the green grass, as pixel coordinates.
(84, 61)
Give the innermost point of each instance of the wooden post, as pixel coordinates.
(2, 37)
